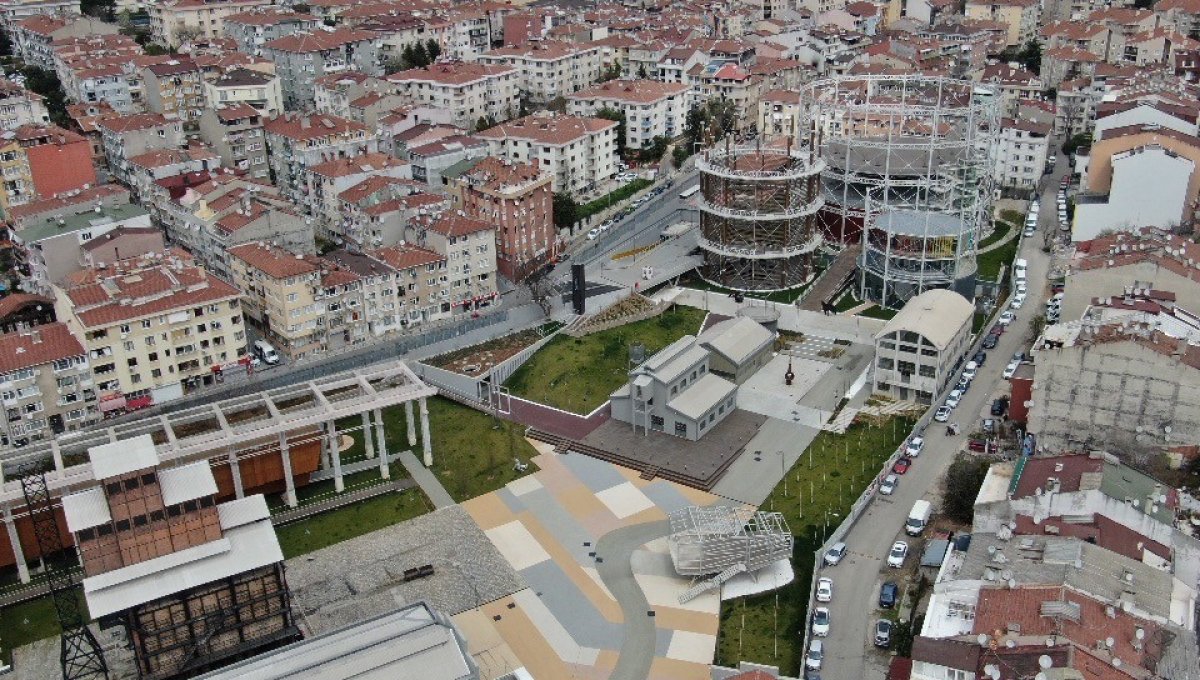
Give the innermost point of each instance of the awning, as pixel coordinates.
(112, 404)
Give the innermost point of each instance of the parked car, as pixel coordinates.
(990, 341)
(593, 233)
(1010, 370)
(902, 466)
(996, 330)
(889, 593)
(953, 398)
(942, 414)
(970, 371)
(816, 654)
(1030, 229)
(999, 406)
(897, 554)
(1018, 301)
(989, 425)
(1007, 317)
(888, 486)
(977, 445)
(835, 554)
(824, 589)
(820, 622)
(914, 446)
(963, 385)
(883, 634)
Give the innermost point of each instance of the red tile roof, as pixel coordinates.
(298, 127)
(457, 225)
(37, 346)
(319, 41)
(405, 257)
(135, 121)
(554, 130)
(453, 73)
(631, 91)
(144, 290)
(1038, 470)
(274, 262)
(363, 163)
(15, 301)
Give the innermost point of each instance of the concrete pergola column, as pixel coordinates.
(367, 438)
(381, 441)
(335, 455)
(426, 449)
(235, 472)
(285, 456)
(14, 539)
(412, 425)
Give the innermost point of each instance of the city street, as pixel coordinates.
(849, 653)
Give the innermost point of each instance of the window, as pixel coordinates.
(680, 429)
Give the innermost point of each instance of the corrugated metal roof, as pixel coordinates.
(186, 482)
(242, 549)
(121, 457)
(243, 511)
(736, 339)
(86, 509)
(702, 395)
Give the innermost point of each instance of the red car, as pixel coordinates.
(902, 465)
(997, 330)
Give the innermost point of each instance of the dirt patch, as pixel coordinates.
(480, 359)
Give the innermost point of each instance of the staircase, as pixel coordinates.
(709, 584)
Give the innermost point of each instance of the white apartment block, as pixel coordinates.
(173, 22)
(468, 91)
(652, 109)
(1021, 154)
(549, 70)
(578, 152)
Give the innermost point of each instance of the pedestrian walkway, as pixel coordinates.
(425, 479)
(831, 279)
(1012, 234)
(339, 500)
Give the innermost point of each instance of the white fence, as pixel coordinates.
(504, 370)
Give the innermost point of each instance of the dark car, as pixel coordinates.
(999, 407)
(889, 592)
(902, 465)
(977, 445)
(883, 634)
(997, 330)
(990, 341)
(979, 358)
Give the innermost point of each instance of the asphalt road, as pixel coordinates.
(849, 652)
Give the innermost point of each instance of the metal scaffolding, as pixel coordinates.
(758, 205)
(895, 145)
(710, 540)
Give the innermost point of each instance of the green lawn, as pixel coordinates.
(847, 302)
(823, 485)
(28, 622)
(578, 374)
(612, 198)
(1001, 231)
(350, 521)
(990, 262)
(878, 312)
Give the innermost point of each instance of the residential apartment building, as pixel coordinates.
(174, 22)
(148, 168)
(1021, 17)
(244, 86)
(470, 92)
(779, 113)
(17, 10)
(42, 161)
(516, 199)
(548, 69)
(578, 152)
(378, 211)
(1022, 154)
(469, 246)
(127, 136)
(19, 106)
(298, 142)
(652, 109)
(152, 326)
(53, 247)
(32, 38)
(251, 30)
(422, 292)
(301, 58)
(380, 295)
(430, 161)
(235, 132)
(176, 90)
(325, 182)
(918, 351)
(1013, 84)
(46, 385)
(285, 297)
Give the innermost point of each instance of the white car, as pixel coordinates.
(897, 554)
(1018, 301)
(1007, 317)
(888, 486)
(953, 398)
(824, 589)
(816, 654)
(1022, 288)
(917, 443)
(942, 414)
(820, 624)
(593, 233)
(1010, 370)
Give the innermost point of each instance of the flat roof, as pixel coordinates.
(49, 226)
(701, 396)
(919, 223)
(122, 457)
(411, 642)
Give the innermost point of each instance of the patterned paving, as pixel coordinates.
(566, 624)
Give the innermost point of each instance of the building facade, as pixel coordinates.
(919, 350)
(46, 385)
(579, 153)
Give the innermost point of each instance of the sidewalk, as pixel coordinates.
(425, 479)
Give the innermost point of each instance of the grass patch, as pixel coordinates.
(592, 207)
(31, 621)
(847, 302)
(1000, 232)
(822, 485)
(578, 374)
(991, 261)
(877, 312)
(351, 521)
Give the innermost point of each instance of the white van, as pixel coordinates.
(1021, 268)
(970, 371)
(918, 518)
(266, 351)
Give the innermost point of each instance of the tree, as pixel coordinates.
(46, 83)
(407, 57)
(642, 72)
(961, 486)
(655, 149)
(609, 113)
(1030, 56)
(611, 73)
(100, 9)
(433, 50)
(1077, 142)
(154, 49)
(566, 211)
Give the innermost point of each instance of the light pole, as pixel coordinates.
(783, 472)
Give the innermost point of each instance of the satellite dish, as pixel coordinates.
(1049, 642)
(1116, 662)
(1109, 642)
(982, 639)
(1044, 661)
